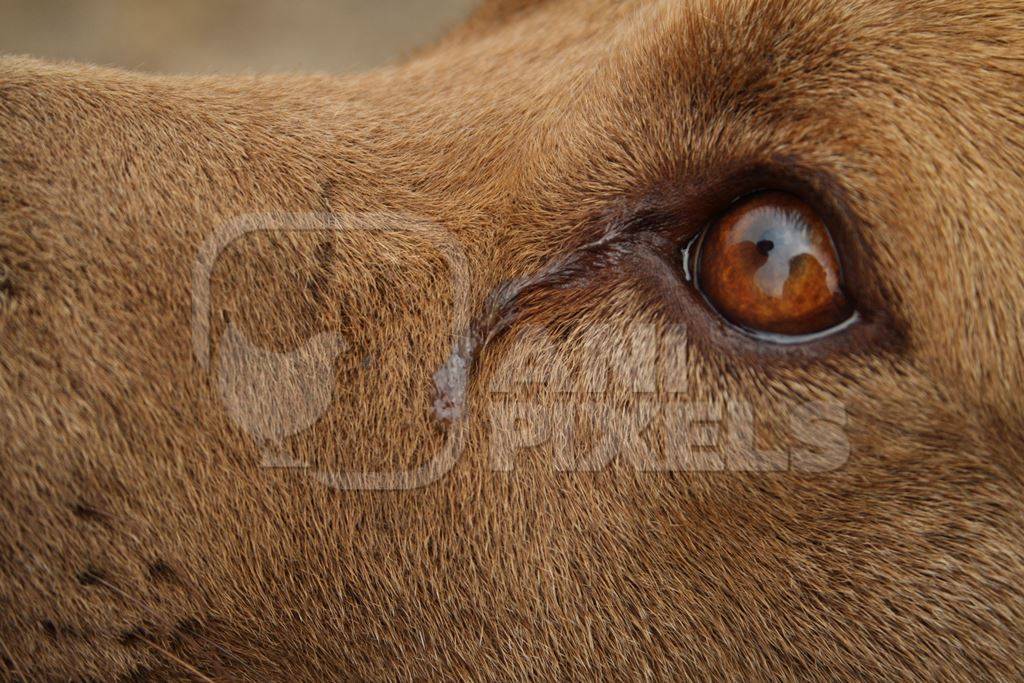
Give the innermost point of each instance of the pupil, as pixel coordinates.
(765, 246)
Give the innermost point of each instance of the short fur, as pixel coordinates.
(141, 536)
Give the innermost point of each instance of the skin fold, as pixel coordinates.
(464, 270)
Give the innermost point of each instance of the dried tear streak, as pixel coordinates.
(503, 307)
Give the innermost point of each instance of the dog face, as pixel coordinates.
(560, 401)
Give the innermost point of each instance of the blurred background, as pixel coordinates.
(199, 36)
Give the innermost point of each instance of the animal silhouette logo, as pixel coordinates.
(270, 395)
(274, 395)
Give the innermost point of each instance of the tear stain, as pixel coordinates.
(505, 305)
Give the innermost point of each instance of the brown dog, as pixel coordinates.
(278, 355)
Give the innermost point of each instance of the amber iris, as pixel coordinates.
(769, 265)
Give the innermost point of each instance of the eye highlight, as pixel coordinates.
(770, 267)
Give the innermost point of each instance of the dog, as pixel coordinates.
(459, 368)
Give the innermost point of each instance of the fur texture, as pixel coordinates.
(142, 537)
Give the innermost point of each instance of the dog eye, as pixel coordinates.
(769, 266)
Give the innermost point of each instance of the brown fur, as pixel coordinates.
(142, 536)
